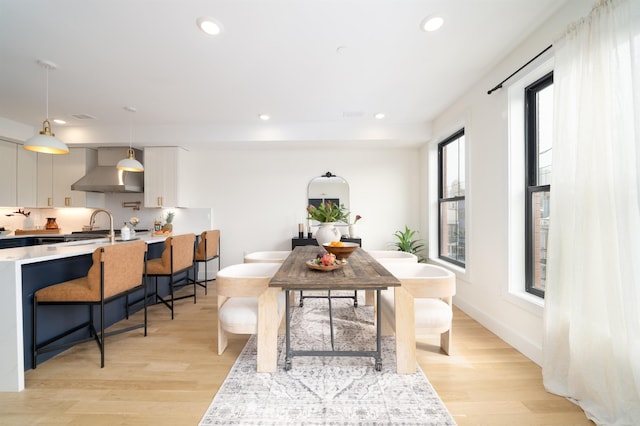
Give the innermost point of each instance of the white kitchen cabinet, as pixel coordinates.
(56, 174)
(27, 175)
(8, 153)
(165, 182)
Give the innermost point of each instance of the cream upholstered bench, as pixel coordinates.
(246, 306)
(422, 305)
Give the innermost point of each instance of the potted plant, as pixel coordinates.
(168, 226)
(406, 242)
(327, 213)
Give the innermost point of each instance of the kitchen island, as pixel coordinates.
(24, 270)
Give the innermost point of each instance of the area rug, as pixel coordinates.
(327, 390)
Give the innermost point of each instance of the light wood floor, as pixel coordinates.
(171, 376)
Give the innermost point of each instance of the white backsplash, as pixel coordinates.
(69, 220)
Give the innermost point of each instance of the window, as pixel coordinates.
(538, 137)
(451, 199)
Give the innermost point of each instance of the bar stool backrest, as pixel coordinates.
(209, 245)
(123, 267)
(180, 248)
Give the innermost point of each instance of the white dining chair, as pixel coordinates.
(393, 256)
(421, 306)
(247, 305)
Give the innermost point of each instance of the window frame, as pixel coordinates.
(532, 186)
(452, 138)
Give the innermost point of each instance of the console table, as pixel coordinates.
(296, 242)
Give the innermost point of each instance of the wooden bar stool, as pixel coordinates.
(207, 250)
(177, 259)
(116, 272)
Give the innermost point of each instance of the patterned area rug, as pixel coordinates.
(327, 390)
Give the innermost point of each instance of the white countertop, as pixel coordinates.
(40, 253)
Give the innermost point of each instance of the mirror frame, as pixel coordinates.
(328, 187)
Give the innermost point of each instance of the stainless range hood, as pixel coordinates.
(107, 178)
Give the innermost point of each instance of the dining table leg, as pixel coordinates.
(378, 336)
(287, 338)
(405, 331)
(267, 345)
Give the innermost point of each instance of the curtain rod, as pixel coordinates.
(499, 85)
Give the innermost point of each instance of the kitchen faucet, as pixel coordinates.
(112, 235)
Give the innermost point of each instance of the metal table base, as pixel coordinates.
(290, 353)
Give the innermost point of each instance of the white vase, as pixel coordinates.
(353, 231)
(327, 233)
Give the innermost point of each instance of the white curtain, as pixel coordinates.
(592, 300)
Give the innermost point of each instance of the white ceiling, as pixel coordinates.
(275, 56)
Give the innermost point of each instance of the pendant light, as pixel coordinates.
(130, 164)
(46, 141)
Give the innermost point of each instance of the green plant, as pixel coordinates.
(406, 242)
(170, 216)
(328, 212)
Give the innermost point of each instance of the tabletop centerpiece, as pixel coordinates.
(327, 214)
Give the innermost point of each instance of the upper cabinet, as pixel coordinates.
(27, 175)
(164, 177)
(56, 174)
(17, 175)
(8, 188)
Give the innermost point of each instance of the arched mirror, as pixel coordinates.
(328, 187)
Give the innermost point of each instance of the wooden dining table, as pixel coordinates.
(360, 272)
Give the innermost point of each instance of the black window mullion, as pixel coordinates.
(532, 186)
(442, 200)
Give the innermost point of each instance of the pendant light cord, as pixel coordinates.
(47, 93)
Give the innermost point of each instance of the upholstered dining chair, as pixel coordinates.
(116, 272)
(243, 295)
(274, 256)
(177, 259)
(208, 249)
(271, 256)
(393, 256)
(422, 305)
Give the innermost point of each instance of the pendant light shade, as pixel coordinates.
(130, 164)
(46, 141)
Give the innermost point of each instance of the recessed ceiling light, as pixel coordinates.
(431, 23)
(58, 121)
(264, 117)
(209, 25)
(379, 116)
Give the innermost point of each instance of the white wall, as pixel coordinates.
(483, 287)
(259, 196)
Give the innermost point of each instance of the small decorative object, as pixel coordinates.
(325, 261)
(51, 223)
(300, 230)
(327, 213)
(341, 250)
(353, 229)
(327, 233)
(311, 264)
(134, 221)
(125, 232)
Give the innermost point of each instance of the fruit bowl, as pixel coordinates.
(341, 251)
